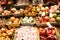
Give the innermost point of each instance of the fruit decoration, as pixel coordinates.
(27, 21)
(4, 38)
(5, 33)
(45, 19)
(42, 20)
(10, 32)
(30, 11)
(19, 12)
(26, 30)
(13, 22)
(6, 12)
(47, 33)
(12, 19)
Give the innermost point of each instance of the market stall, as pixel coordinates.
(29, 22)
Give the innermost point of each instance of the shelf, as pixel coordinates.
(38, 25)
(27, 24)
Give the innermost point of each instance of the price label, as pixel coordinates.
(43, 14)
(48, 24)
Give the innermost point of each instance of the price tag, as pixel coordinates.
(50, 15)
(43, 14)
(48, 24)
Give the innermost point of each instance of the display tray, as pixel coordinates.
(18, 15)
(21, 6)
(6, 15)
(15, 15)
(21, 15)
(45, 25)
(27, 24)
(37, 4)
(33, 24)
(24, 6)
